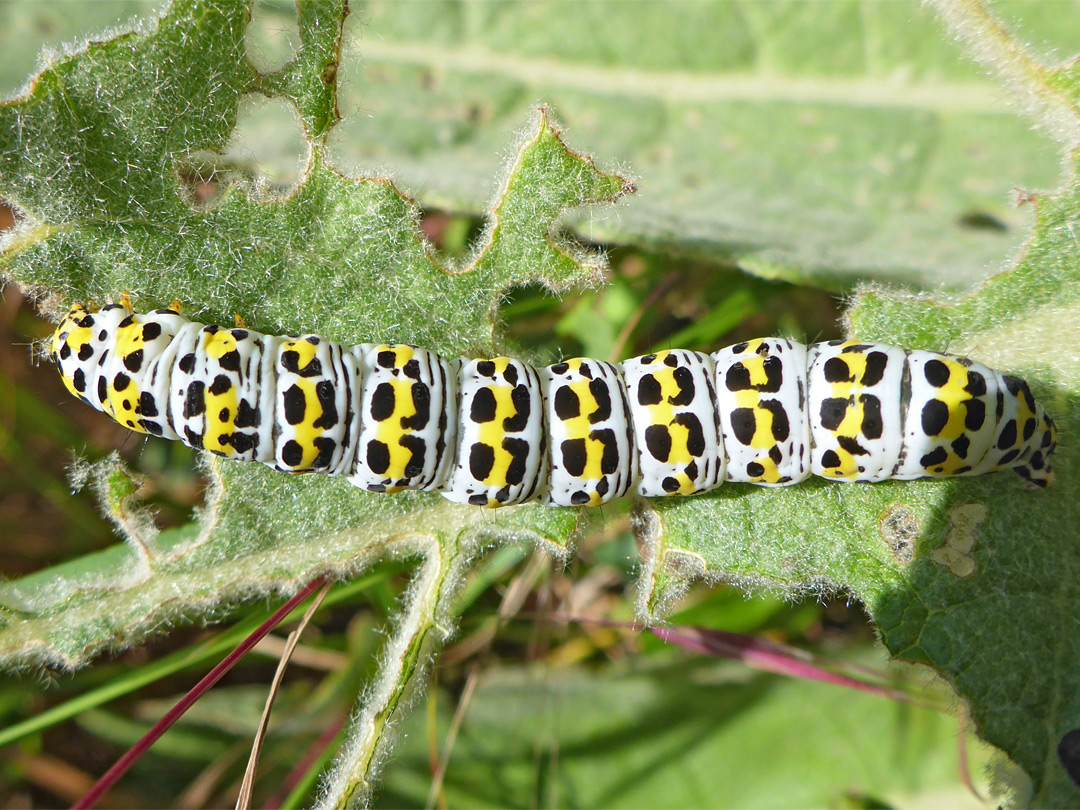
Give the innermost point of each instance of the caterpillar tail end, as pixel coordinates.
(1037, 469)
(1040, 478)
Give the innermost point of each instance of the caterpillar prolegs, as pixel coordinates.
(578, 433)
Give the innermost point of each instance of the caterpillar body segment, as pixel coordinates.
(954, 422)
(593, 453)
(761, 396)
(502, 445)
(407, 424)
(856, 391)
(160, 372)
(578, 433)
(316, 405)
(672, 397)
(85, 352)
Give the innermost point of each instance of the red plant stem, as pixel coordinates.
(763, 654)
(121, 766)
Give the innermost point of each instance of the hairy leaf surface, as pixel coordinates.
(95, 160)
(976, 577)
(816, 144)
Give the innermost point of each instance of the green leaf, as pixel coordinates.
(100, 158)
(682, 733)
(816, 144)
(975, 577)
(106, 213)
(190, 657)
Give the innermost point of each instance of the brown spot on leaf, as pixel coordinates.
(684, 564)
(899, 530)
(956, 552)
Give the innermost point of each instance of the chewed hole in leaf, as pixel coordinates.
(273, 36)
(39, 33)
(528, 314)
(268, 145)
(267, 155)
(451, 234)
(202, 178)
(8, 217)
(13, 223)
(1069, 754)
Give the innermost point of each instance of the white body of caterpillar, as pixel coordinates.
(577, 433)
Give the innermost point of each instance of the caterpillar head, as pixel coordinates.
(72, 347)
(79, 345)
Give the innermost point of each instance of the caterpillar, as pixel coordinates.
(581, 432)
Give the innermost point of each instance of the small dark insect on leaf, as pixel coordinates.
(981, 221)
